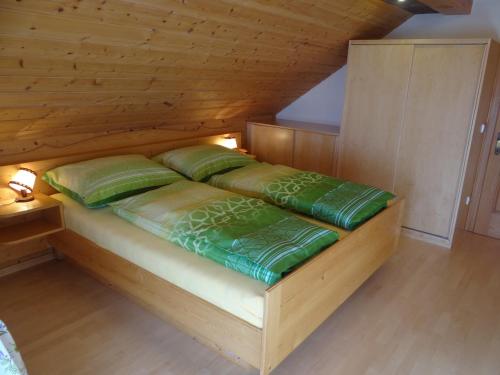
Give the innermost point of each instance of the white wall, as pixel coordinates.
(324, 102)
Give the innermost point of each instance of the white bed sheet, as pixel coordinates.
(231, 291)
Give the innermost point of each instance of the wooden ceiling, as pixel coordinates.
(74, 68)
(449, 6)
(412, 6)
(434, 6)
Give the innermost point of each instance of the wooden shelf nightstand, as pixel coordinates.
(20, 222)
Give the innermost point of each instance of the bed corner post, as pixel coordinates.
(270, 331)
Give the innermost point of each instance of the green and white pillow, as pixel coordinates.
(97, 182)
(202, 161)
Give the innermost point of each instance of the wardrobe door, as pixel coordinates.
(376, 91)
(314, 152)
(439, 110)
(488, 216)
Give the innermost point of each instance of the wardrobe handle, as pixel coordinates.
(497, 146)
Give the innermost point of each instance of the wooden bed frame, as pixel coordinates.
(294, 307)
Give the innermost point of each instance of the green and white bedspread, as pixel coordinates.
(341, 203)
(241, 233)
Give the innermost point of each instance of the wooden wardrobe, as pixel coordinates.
(412, 124)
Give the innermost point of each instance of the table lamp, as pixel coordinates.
(231, 143)
(23, 182)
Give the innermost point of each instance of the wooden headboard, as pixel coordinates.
(149, 150)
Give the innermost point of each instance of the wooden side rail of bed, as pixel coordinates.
(294, 307)
(234, 338)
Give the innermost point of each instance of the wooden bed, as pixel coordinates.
(294, 307)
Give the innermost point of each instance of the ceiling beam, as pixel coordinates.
(449, 6)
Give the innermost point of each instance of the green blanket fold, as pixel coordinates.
(341, 203)
(241, 233)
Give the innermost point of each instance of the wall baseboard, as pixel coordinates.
(27, 264)
(426, 237)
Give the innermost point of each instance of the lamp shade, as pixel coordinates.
(229, 142)
(24, 179)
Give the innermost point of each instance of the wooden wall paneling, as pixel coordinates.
(438, 137)
(26, 150)
(71, 84)
(71, 69)
(377, 81)
(272, 144)
(112, 13)
(33, 65)
(242, 18)
(314, 152)
(87, 56)
(34, 129)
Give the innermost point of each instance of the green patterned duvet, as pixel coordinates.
(241, 233)
(341, 203)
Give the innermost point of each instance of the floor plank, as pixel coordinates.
(427, 311)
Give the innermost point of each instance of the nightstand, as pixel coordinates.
(20, 222)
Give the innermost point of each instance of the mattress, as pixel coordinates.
(229, 290)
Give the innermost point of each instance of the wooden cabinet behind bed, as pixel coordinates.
(412, 124)
(311, 147)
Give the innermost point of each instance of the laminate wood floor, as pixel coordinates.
(427, 311)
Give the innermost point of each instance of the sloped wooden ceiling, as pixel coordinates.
(450, 6)
(75, 70)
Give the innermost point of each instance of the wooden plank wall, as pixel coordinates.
(79, 74)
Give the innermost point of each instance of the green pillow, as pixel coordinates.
(201, 162)
(97, 182)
